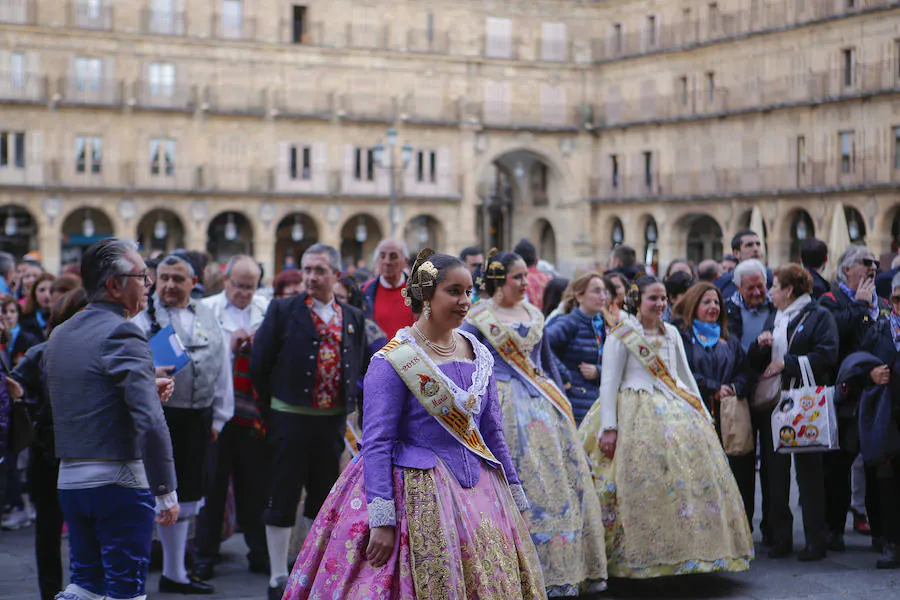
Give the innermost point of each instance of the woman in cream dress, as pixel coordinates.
(670, 503)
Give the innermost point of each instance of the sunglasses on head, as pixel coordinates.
(868, 262)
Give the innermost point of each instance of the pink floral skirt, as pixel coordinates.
(452, 542)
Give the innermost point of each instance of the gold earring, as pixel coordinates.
(426, 310)
(499, 295)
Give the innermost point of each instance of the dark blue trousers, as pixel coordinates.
(110, 532)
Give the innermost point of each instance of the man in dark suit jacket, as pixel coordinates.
(814, 256)
(308, 357)
(111, 436)
(745, 245)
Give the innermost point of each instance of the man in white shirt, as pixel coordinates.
(202, 403)
(239, 453)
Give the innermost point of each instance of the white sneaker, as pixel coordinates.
(30, 510)
(15, 519)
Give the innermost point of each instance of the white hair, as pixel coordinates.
(748, 267)
(404, 249)
(850, 257)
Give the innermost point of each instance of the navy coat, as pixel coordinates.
(573, 341)
(723, 364)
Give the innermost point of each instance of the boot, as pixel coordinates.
(890, 557)
(835, 541)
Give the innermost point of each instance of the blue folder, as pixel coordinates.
(168, 351)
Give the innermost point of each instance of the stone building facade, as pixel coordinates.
(252, 125)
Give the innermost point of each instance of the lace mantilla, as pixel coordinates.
(484, 366)
(518, 494)
(382, 513)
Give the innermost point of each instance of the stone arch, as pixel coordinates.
(702, 235)
(19, 233)
(360, 235)
(796, 227)
(294, 233)
(81, 227)
(544, 236)
(228, 233)
(856, 224)
(423, 231)
(160, 229)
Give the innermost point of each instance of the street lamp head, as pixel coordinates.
(392, 137)
(378, 153)
(362, 232)
(407, 153)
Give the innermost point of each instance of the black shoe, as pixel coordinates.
(810, 554)
(276, 592)
(781, 550)
(835, 541)
(878, 544)
(204, 571)
(193, 586)
(890, 557)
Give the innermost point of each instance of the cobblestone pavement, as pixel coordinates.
(846, 576)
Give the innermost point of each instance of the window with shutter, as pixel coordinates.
(553, 42)
(498, 38)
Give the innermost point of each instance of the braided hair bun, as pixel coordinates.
(427, 272)
(497, 268)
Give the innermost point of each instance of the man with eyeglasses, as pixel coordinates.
(110, 432)
(474, 259)
(239, 453)
(202, 403)
(745, 245)
(857, 310)
(385, 303)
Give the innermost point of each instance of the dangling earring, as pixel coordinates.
(426, 310)
(498, 295)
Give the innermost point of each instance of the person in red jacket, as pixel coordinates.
(384, 299)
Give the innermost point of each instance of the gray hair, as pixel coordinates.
(850, 257)
(7, 263)
(895, 282)
(403, 248)
(748, 267)
(104, 261)
(333, 254)
(240, 259)
(174, 260)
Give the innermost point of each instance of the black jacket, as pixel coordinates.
(31, 324)
(285, 353)
(723, 364)
(817, 340)
(853, 319)
(820, 284)
(883, 283)
(879, 410)
(29, 373)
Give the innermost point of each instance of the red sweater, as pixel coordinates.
(391, 313)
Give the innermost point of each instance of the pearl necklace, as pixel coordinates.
(445, 351)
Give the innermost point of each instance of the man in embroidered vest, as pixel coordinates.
(308, 357)
(384, 301)
(239, 453)
(202, 403)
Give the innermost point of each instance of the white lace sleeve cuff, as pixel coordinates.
(382, 513)
(167, 501)
(518, 494)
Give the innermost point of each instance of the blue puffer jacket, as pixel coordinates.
(573, 341)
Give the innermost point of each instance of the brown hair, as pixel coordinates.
(284, 279)
(66, 307)
(794, 275)
(4, 302)
(687, 307)
(66, 283)
(578, 286)
(31, 304)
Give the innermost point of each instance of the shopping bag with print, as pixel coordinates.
(805, 419)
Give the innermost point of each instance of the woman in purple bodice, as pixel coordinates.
(432, 505)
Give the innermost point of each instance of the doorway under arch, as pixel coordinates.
(80, 229)
(229, 233)
(295, 233)
(160, 230)
(19, 234)
(704, 238)
(360, 236)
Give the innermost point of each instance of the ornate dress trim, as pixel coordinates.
(382, 513)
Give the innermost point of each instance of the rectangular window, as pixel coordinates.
(364, 164)
(4, 148)
(614, 166)
(498, 38)
(88, 154)
(848, 66)
(19, 139)
(162, 156)
(232, 16)
(684, 89)
(162, 79)
(897, 59)
(617, 37)
(847, 151)
(17, 70)
(299, 24)
(429, 27)
(801, 155)
(12, 149)
(648, 169)
(426, 166)
(713, 17)
(711, 85)
(301, 163)
(651, 31)
(897, 148)
(87, 74)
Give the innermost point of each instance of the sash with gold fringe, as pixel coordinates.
(640, 349)
(498, 335)
(435, 396)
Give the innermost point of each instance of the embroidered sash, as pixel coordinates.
(435, 396)
(640, 349)
(498, 335)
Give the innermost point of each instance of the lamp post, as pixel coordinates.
(384, 158)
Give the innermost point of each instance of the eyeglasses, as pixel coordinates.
(145, 276)
(868, 262)
(243, 288)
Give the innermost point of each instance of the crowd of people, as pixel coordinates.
(510, 432)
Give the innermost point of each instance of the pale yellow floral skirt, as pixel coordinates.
(670, 503)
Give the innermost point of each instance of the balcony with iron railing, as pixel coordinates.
(163, 22)
(22, 87)
(499, 47)
(87, 14)
(233, 28)
(90, 91)
(814, 87)
(174, 96)
(19, 12)
(726, 25)
(862, 172)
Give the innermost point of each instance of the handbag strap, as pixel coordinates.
(796, 331)
(809, 380)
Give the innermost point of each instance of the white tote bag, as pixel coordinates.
(805, 419)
